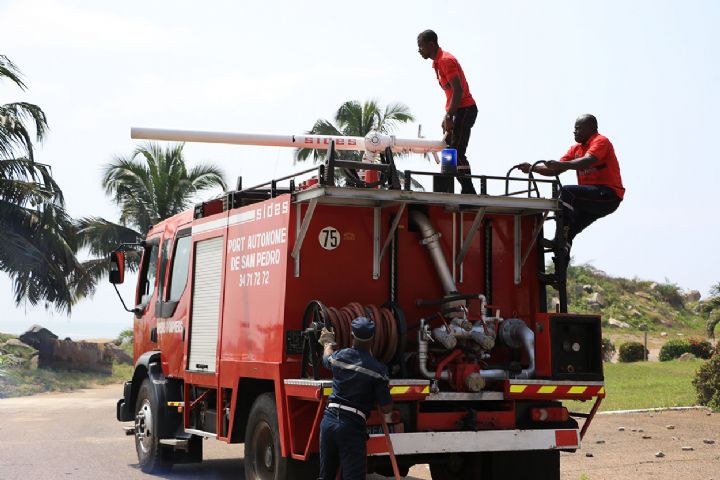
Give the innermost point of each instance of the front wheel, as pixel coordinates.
(263, 457)
(147, 441)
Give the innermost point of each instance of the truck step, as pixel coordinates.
(129, 430)
(174, 442)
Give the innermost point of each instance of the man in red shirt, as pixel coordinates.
(460, 108)
(600, 188)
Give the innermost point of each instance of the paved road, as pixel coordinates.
(75, 436)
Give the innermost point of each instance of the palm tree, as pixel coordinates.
(357, 120)
(149, 186)
(37, 236)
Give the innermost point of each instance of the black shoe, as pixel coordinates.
(548, 278)
(546, 243)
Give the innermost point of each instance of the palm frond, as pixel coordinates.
(10, 71)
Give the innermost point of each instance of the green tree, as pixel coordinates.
(357, 119)
(37, 236)
(149, 186)
(711, 308)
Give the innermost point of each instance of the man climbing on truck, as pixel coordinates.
(600, 189)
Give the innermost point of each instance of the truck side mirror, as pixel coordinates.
(117, 267)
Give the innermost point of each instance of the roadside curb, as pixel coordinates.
(650, 410)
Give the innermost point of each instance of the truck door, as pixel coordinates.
(145, 331)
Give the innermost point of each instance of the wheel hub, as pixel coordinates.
(143, 426)
(268, 457)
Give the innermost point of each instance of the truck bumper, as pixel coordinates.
(124, 405)
(481, 441)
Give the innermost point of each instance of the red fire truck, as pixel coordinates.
(232, 294)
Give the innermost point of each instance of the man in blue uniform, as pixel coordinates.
(359, 383)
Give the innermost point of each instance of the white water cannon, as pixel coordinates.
(374, 142)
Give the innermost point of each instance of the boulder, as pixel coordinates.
(636, 313)
(644, 295)
(693, 296)
(686, 356)
(119, 355)
(38, 336)
(16, 347)
(83, 356)
(578, 290)
(596, 297)
(618, 323)
(588, 288)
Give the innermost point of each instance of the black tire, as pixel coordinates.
(151, 457)
(263, 457)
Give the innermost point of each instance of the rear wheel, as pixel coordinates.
(263, 457)
(147, 442)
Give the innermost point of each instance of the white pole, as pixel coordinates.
(373, 142)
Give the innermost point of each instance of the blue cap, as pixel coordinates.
(363, 328)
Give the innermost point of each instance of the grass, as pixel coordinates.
(17, 382)
(630, 386)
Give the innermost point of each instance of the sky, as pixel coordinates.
(647, 70)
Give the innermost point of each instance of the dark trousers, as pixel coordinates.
(589, 202)
(459, 139)
(343, 438)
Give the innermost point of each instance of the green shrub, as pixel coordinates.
(707, 382)
(700, 348)
(673, 349)
(632, 352)
(608, 349)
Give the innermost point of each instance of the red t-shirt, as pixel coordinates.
(605, 170)
(446, 68)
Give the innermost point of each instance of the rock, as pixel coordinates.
(646, 437)
(37, 336)
(578, 290)
(659, 454)
(670, 427)
(119, 355)
(621, 429)
(633, 429)
(587, 288)
(83, 356)
(680, 334)
(653, 286)
(687, 449)
(18, 348)
(673, 438)
(663, 334)
(33, 365)
(708, 441)
(596, 297)
(595, 306)
(640, 430)
(618, 323)
(599, 442)
(588, 454)
(636, 313)
(687, 356)
(693, 296)
(644, 295)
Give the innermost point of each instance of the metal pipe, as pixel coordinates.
(430, 239)
(423, 354)
(373, 142)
